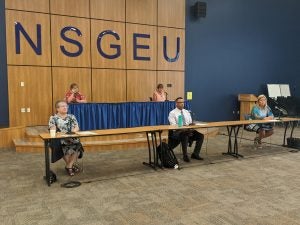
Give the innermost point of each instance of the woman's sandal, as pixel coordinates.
(76, 168)
(70, 171)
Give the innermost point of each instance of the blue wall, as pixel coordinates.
(4, 120)
(238, 48)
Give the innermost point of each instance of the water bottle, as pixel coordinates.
(180, 121)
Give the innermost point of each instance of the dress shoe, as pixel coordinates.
(186, 158)
(194, 156)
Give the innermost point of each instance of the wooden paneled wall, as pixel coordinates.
(41, 72)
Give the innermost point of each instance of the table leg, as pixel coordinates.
(152, 148)
(149, 148)
(229, 145)
(47, 162)
(293, 127)
(235, 146)
(235, 131)
(162, 155)
(285, 130)
(291, 135)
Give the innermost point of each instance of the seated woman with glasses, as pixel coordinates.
(71, 147)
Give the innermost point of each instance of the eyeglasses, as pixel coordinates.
(179, 102)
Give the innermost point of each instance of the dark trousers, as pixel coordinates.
(186, 137)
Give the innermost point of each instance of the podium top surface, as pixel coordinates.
(247, 97)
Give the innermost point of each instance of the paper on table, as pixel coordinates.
(199, 123)
(274, 120)
(85, 133)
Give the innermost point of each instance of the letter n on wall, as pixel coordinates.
(28, 38)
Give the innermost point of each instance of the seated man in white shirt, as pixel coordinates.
(185, 136)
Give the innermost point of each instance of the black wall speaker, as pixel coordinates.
(199, 9)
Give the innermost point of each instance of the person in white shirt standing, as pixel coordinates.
(184, 136)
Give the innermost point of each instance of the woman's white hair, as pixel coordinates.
(260, 97)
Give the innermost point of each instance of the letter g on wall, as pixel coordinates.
(117, 47)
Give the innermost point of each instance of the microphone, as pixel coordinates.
(193, 116)
(282, 111)
(166, 93)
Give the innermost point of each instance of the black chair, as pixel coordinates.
(173, 140)
(249, 128)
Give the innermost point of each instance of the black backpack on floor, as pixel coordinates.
(293, 142)
(167, 156)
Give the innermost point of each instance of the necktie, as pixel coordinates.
(183, 119)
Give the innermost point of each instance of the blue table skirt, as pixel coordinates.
(96, 116)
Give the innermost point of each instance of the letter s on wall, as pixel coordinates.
(65, 38)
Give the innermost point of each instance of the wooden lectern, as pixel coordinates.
(246, 103)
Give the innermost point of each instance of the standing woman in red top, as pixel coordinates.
(74, 96)
(159, 94)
